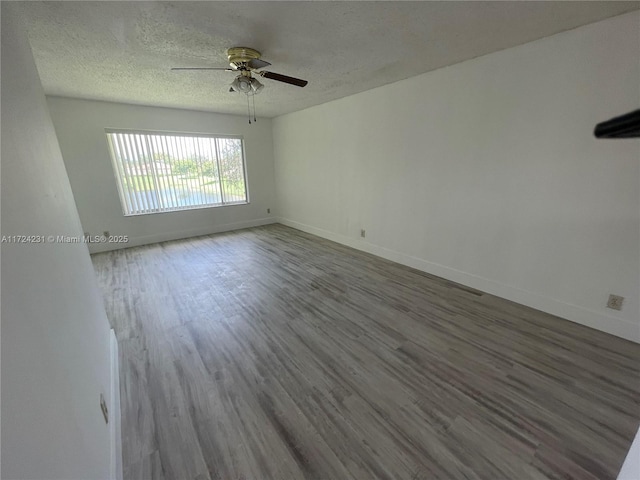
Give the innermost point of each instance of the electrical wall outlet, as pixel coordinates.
(103, 407)
(615, 302)
(363, 233)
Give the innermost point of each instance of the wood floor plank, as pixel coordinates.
(145, 467)
(269, 353)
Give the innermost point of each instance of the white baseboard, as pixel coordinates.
(166, 236)
(114, 414)
(590, 318)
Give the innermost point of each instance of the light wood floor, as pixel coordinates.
(272, 354)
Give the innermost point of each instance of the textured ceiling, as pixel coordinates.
(123, 51)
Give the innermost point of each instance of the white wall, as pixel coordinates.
(631, 467)
(487, 173)
(55, 333)
(80, 126)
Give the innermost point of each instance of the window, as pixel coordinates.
(164, 172)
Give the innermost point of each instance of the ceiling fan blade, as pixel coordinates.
(284, 78)
(256, 63)
(203, 68)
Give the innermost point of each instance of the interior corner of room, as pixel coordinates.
(468, 204)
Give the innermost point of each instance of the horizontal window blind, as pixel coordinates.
(162, 172)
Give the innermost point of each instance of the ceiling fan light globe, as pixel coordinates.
(256, 86)
(242, 84)
(245, 85)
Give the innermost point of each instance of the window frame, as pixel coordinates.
(119, 181)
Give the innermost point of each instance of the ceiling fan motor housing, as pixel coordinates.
(240, 56)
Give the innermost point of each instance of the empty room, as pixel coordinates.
(331, 240)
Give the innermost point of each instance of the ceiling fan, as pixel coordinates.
(246, 61)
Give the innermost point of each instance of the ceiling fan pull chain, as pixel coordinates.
(254, 108)
(248, 110)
